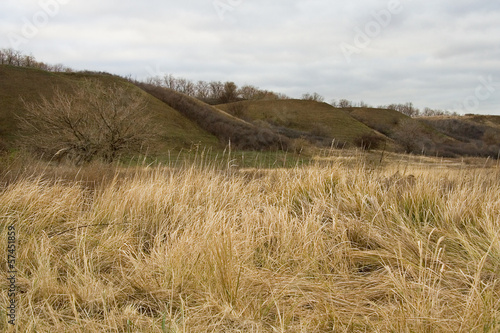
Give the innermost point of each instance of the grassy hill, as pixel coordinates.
(412, 134)
(388, 122)
(465, 128)
(474, 134)
(176, 131)
(227, 128)
(383, 120)
(319, 122)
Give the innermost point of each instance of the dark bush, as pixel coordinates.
(369, 141)
(236, 109)
(459, 129)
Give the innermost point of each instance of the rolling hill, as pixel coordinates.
(17, 84)
(227, 128)
(317, 122)
(473, 134)
(382, 120)
(397, 126)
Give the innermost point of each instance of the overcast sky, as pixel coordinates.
(442, 54)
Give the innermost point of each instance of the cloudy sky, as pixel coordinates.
(443, 54)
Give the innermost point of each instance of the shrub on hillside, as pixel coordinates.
(93, 121)
(411, 137)
(369, 141)
(320, 130)
(236, 109)
(491, 137)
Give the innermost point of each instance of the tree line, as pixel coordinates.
(214, 92)
(17, 58)
(405, 108)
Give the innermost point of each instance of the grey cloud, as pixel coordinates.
(431, 53)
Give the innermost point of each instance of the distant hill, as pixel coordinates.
(397, 126)
(317, 122)
(475, 134)
(382, 120)
(229, 129)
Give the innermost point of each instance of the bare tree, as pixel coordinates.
(313, 97)
(410, 135)
(170, 82)
(185, 86)
(93, 121)
(406, 109)
(344, 103)
(29, 60)
(229, 93)
(10, 56)
(202, 89)
(216, 90)
(3, 57)
(249, 92)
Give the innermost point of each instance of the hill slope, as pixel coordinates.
(474, 134)
(227, 128)
(383, 120)
(318, 122)
(17, 84)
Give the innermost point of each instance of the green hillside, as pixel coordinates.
(17, 84)
(319, 122)
(383, 120)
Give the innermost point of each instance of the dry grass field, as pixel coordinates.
(336, 246)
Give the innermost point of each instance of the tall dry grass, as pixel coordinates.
(203, 249)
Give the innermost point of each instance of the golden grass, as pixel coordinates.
(327, 248)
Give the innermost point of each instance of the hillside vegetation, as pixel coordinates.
(272, 237)
(228, 129)
(17, 84)
(474, 134)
